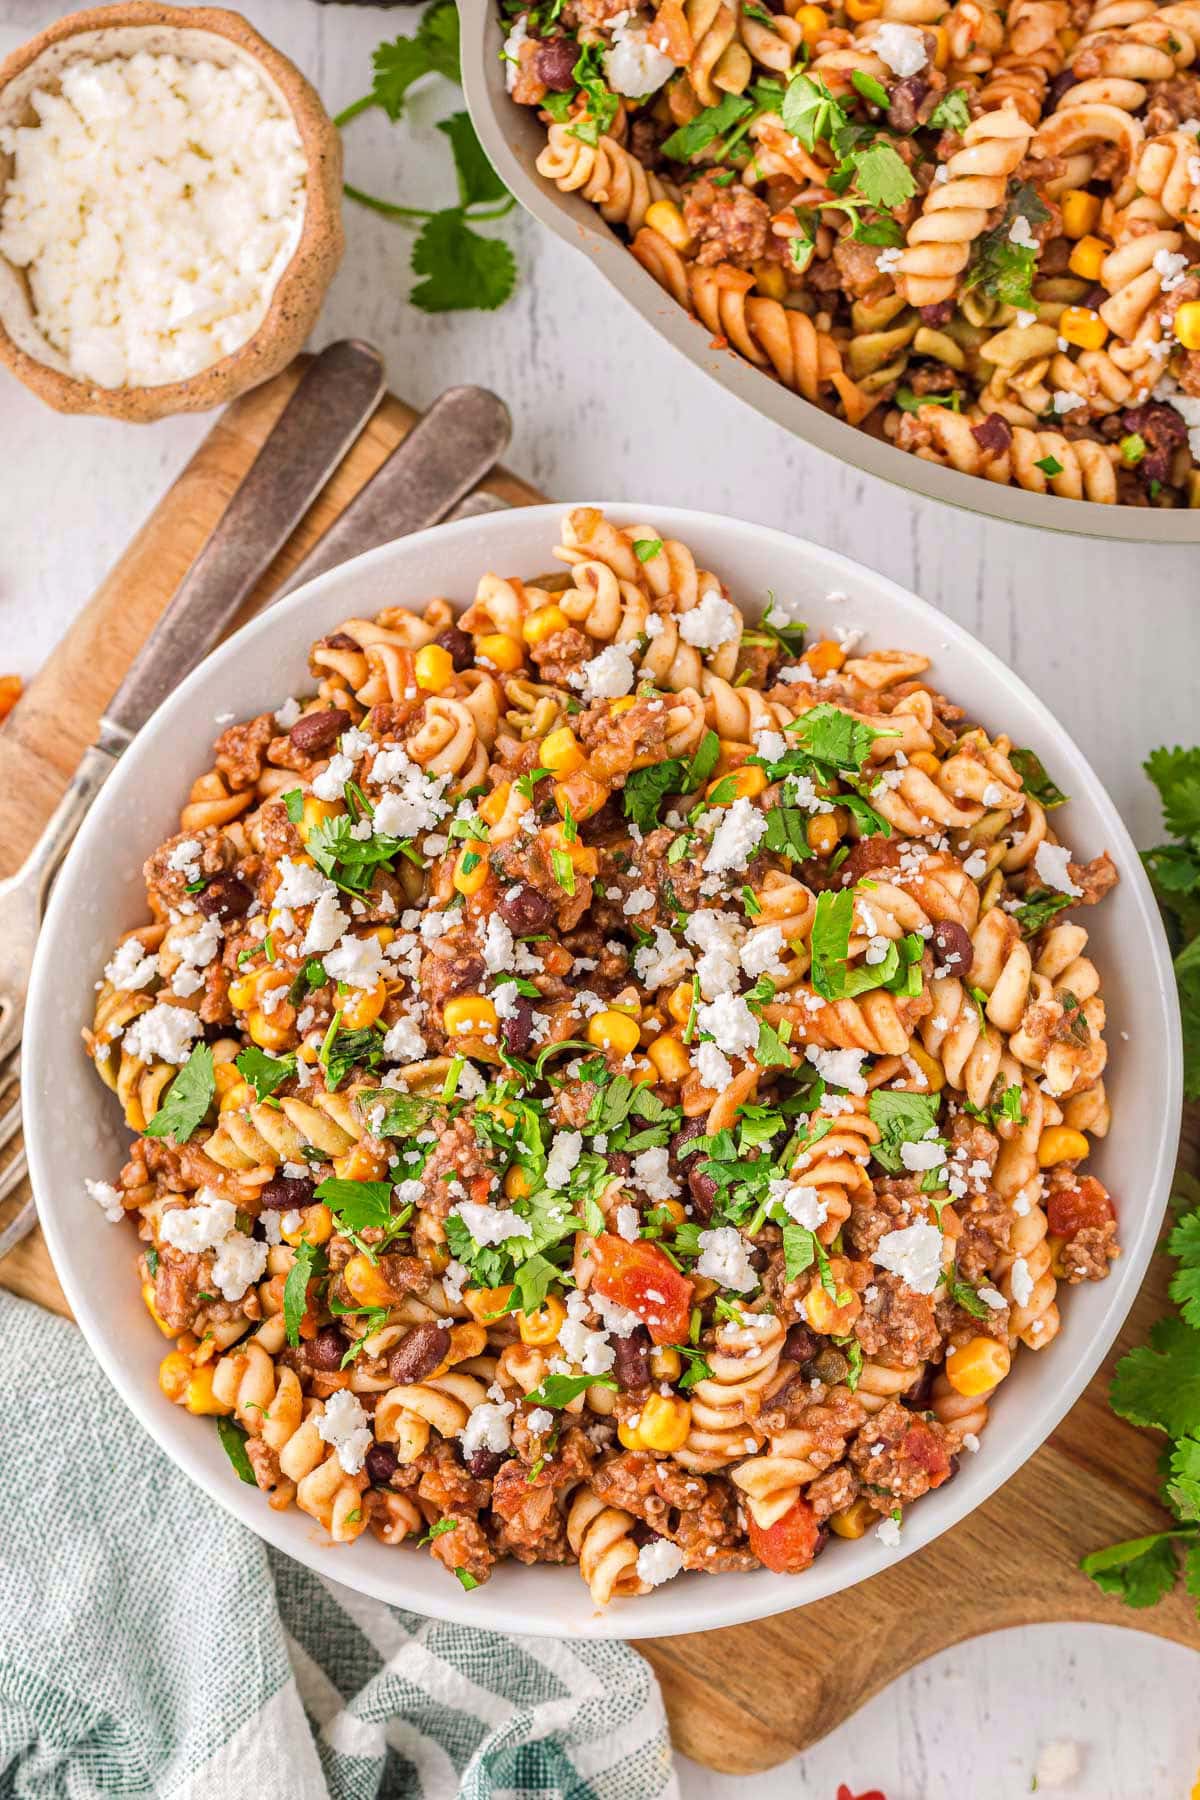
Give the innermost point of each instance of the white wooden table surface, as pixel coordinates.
(1107, 634)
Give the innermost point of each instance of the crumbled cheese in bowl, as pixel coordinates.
(153, 206)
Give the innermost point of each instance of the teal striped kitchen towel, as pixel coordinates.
(150, 1646)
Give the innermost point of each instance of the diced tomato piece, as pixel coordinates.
(1084, 1202)
(643, 1278)
(790, 1544)
(925, 1449)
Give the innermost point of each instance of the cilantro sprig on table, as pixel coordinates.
(1174, 871)
(460, 268)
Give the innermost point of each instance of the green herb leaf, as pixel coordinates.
(1139, 1572)
(903, 1118)
(461, 269)
(1049, 465)
(233, 1442)
(558, 1391)
(909, 402)
(264, 1073)
(810, 111)
(951, 112)
(1176, 775)
(1001, 267)
(646, 549)
(705, 128)
(187, 1099)
(466, 1579)
(358, 1204)
(432, 50)
(799, 1250)
(882, 177)
(1039, 909)
(295, 1288)
(346, 1050)
(564, 870)
(870, 89)
(478, 182)
(1035, 780)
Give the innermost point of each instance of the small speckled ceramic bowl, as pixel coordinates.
(191, 32)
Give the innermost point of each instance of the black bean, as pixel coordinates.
(953, 947)
(287, 1193)
(524, 909)
(317, 732)
(1058, 87)
(225, 897)
(620, 1163)
(419, 1354)
(456, 641)
(484, 1463)
(800, 1344)
(631, 1365)
(703, 1190)
(327, 1349)
(382, 1463)
(517, 1029)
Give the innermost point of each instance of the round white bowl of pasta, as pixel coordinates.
(609, 1079)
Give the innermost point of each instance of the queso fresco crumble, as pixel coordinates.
(153, 207)
(610, 1080)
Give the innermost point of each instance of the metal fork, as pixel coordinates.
(428, 477)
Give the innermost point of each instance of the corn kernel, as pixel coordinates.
(833, 1318)
(268, 1030)
(492, 807)
(929, 1066)
(666, 1364)
(643, 1073)
(486, 1304)
(613, 1031)
(825, 658)
(469, 1015)
(580, 794)
(236, 1099)
(927, 762)
(941, 52)
(740, 784)
(813, 22)
(198, 1394)
(855, 1520)
(679, 1005)
(434, 668)
(859, 10)
(770, 280)
(501, 651)
(361, 1163)
(542, 1327)
(1187, 324)
(665, 218)
(174, 1373)
(227, 1076)
(1081, 326)
(669, 1058)
(622, 704)
(148, 1299)
(516, 1184)
(366, 1282)
(561, 752)
(822, 834)
(541, 625)
(436, 1257)
(315, 812)
(470, 870)
(1060, 1144)
(630, 1436)
(978, 1367)
(1087, 256)
(665, 1422)
(364, 1007)
(1080, 212)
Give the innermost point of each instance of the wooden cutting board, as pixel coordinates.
(746, 1698)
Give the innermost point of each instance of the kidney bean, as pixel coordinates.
(553, 63)
(620, 1163)
(287, 1192)
(800, 1345)
(316, 732)
(419, 1354)
(692, 1128)
(703, 1190)
(225, 897)
(993, 433)
(517, 1029)
(905, 99)
(940, 313)
(632, 1362)
(483, 1464)
(524, 909)
(953, 947)
(918, 1397)
(327, 1349)
(868, 854)
(1058, 87)
(339, 640)
(822, 1540)
(455, 640)
(382, 1463)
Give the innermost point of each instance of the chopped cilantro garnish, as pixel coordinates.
(233, 1442)
(1035, 780)
(187, 1099)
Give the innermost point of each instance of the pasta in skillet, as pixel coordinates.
(970, 230)
(609, 1082)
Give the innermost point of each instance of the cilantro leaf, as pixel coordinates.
(834, 737)
(1158, 1384)
(870, 89)
(882, 177)
(1139, 1572)
(1183, 1478)
(1001, 267)
(646, 789)
(558, 1391)
(403, 1114)
(799, 1250)
(646, 549)
(478, 182)
(233, 1442)
(903, 1118)
(295, 1288)
(1176, 775)
(358, 1204)
(909, 402)
(951, 112)
(831, 974)
(1035, 780)
(1049, 465)
(432, 50)
(264, 1073)
(705, 128)
(810, 111)
(964, 1295)
(1184, 1244)
(771, 1052)
(346, 1050)
(187, 1099)
(1039, 909)
(787, 833)
(461, 269)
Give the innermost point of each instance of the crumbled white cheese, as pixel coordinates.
(714, 1069)
(491, 1224)
(634, 66)
(1065, 403)
(915, 1254)
(1171, 268)
(658, 1561)
(565, 1152)
(328, 785)
(901, 47)
(639, 901)
(725, 1259)
(287, 714)
(1021, 233)
(487, 1428)
(539, 1420)
(729, 1021)
(300, 884)
(325, 926)
(1022, 1282)
(762, 952)
(581, 1343)
(412, 801)
(607, 676)
(154, 204)
(710, 623)
(660, 964)
(163, 1034)
(992, 1297)
(511, 52)
(107, 1198)
(840, 1068)
(131, 966)
(358, 961)
(917, 1158)
(1051, 863)
(184, 859)
(211, 1225)
(651, 1172)
(802, 1204)
(718, 935)
(736, 837)
(888, 1534)
(628, 1223)
(889, 259)
(619, 1320)
(344, 1425)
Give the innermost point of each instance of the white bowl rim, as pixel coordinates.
(729, 1600)
(498, 122)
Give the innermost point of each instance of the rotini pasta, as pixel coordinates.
(608, 1080)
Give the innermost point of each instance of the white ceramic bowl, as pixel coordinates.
(74, 1128)
(513, 138)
